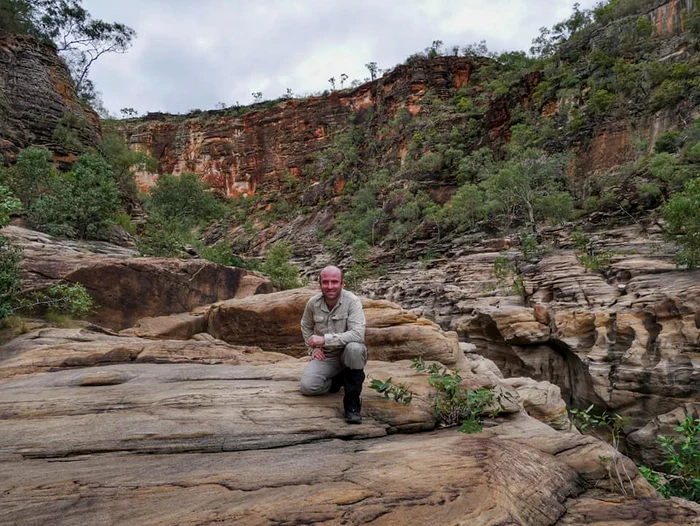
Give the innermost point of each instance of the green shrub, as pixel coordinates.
(668, 142)
(164, 239)
(451, 403)
(558, 207)
(643, 27)
(71, 299)
(80, 202)
(465, 208)
(184, 199)
(600, 102)
(579, 239)
(682, 456)
(277, 267)
(30, 176)
(682, 215)
(10, 256)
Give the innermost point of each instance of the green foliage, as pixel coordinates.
(221, 253)
(465, 208)
(668, 169)
(78, 203)
(518, 188)
(643, 27)
(398, 392)
(529, 246)
(66, 134)
(555, 206)
(359, 269)
(682, 216)
(283, 274)
(163, 238)
(453, 404)
(668, 142)
(682, 455)
(184, 200)
(10, 281)
(10, 256)
(503, 268)
(366, 213)
(580, 239)
(31, 175)
(600, 102)
(606, 426)
(594, 262)
(124, 160)
(9, 205)
(65, 298)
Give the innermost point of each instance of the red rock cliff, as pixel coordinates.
(237, 154)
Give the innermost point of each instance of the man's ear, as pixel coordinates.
(342, 284)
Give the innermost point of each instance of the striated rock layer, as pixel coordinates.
(626, 339)
(124, 287)
(236, 155)
(205, 432)
(38, 103)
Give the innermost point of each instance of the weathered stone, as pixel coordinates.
(48, 350)
(74, 460)
(252, 153)
(273, 323)
(125, 288)
(37, 95)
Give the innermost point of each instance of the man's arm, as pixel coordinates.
(355, 328)
(307, 323)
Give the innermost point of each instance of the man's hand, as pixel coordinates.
(318, 354)
(316, 341)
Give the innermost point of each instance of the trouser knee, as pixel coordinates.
(355, 356)
(312, 385)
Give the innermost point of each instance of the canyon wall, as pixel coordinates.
(38, 103)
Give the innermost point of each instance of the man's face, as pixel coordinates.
(331, 284)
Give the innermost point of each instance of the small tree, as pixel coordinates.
(372, 68)
(30, 177)
(283, 274)
(10, 255)
(80, 202)
(184, 200)
(682, 215)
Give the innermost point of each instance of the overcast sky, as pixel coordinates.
(200, 53)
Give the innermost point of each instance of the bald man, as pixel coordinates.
(333, 326)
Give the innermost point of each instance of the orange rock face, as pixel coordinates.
(236, 155)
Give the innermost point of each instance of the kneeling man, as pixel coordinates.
(333, 326)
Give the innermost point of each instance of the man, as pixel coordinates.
(333, 326)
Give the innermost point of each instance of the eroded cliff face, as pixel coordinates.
(239, 155)
(616, 142)
(38, 104)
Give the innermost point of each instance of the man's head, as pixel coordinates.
(331, 282)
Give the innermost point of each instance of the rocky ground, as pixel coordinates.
(195, 418)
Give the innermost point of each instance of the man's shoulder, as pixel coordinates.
(350, 297)
(313, 300)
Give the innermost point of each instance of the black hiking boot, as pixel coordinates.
(337, 382)
(351, 401)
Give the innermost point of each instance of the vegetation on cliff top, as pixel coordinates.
(495, 155)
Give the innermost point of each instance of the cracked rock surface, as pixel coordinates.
(100, 428)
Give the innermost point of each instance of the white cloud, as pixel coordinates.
(194, 54)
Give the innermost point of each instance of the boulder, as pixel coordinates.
(273, 322)
(126, 288)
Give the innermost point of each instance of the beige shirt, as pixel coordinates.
(339, 326)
